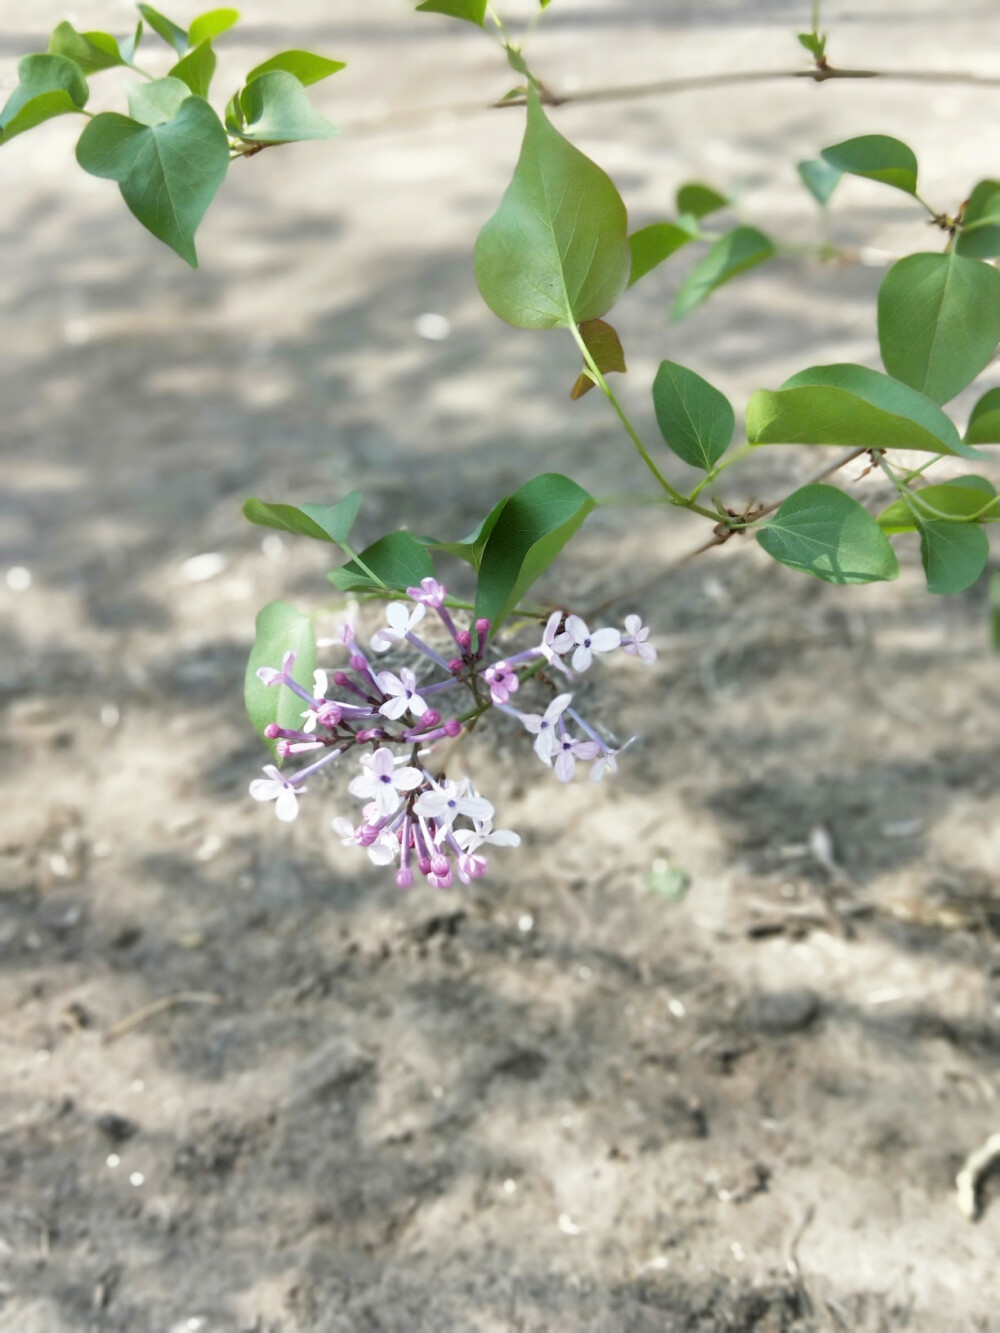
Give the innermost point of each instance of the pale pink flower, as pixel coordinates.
(384, 783)
(402, 619)
(543, 726)
(402, 690)
(503, 682)
(635, 644)
(430, 593)
(279, 790)
(587, 643)
(568, 751)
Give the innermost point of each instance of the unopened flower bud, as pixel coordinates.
(341, 678)
(272, 731)
(368, 835)
(283, 749)
(464, 639)
(358, 663)
(404, 877)
(482, 628)
(425, 865)
(453, 727)
(455, 665)
(439, 865)
(430, 719)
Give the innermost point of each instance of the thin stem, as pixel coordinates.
(353, 555)
(145, 73)
(933, 211)
(672, 493)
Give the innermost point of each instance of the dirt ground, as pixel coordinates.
(706, 1052)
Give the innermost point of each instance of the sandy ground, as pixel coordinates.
(559, 1100)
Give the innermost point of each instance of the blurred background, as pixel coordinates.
(707, 1051)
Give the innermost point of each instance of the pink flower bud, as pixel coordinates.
(368, 835)
(453, 727)
(482, 628)
(439, 865)
(464, 639)
(283, 749)
(455, 665)
(272, 731)
(425, 865)
(404, 877)
(430, 719)
(358, 663)
(341, 678)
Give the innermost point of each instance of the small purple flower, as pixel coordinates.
(601, 641)
(553, 643)
(402, 690)
(383, 782)
(279, 790)
(503, 682)
(271, 677)
(635, 643)
(430, 593)
(543, 727)
(402, 619)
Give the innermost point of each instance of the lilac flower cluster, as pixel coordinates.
(412, 818)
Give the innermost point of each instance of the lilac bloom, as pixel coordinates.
(568, 751)
(383, 783)
(402, 690)
(601, 641)
(503, 682)
(543, 726)
(401, 620)
(553, 643)
(271, 677)
(446, 801)
(429, 593)
(278, 789)
(635, 643)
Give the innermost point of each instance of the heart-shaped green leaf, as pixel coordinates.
(979, 236)
(168, 174)
(821, 531)
(306, 67)
(820, 179)
(877, 157)
(695, 419)
(731, 254)
(280, 630)
(853, 406)
(48, 86)
(953, 555)
(938, 321)
(984, 423)
(533, 526)
(699, 200)
(165, 28)
(556, 251)
(208, 26)
(325, 523)
(196, 69)
(961, 498)
(651, 245)
(275, 109)
(399, 560)
(92, 51)
(156, 102)
(473, 11)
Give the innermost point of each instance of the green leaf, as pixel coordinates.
(852, 406)
(979, 235)
(196, 69)
(276, 109)
(695, 419)
(651, 245)
(325, 523)
(92, 51)
(877, 157)
(473, 11)
(156, 102)
(129, 45)
(962, 498)
(938, 321)
(400, 560)
(813, 43)
(820, 179)
(699, 200)
(470, 549)
(821, 531)
(731, 254)
(208, 26)
(556, 251)
(532, 527)
(605, 347)
(165, 28)
(280, 629)
(953, 554)
(48, 86)
(168, 174)
(984, 423)
(306, 67)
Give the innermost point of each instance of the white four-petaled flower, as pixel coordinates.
(635, 643)
(401, 620)
(383, 783)
(568, 751)
(402, 690)
(447, 800)
(279, 790)
(543, 726)
(381, 852)
(587, 643)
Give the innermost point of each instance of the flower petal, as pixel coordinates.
(604, 640)
(582, 658)
(577, 629)
(565, 765)
(286, 807)
(264, 789)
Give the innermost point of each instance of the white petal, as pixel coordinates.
(398, 616)
(407, 779)
(265, 789)
(390, 684)
(382, 640)
(382, 762)
(387, 799)
(543, 746)
(363, 787)
(646, 652)
(476, 807)
(287, 805)
(343, 828)
(557, 707)
(382, 852)
(531, 722)
(504, 837)
(418, 706)
(633, 624)
(577, 628)
(604, 640)
(319, 684)
(394, 707)
(586, 750)
(565, 765)
(581, 658)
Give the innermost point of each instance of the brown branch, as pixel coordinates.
(719, 537)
